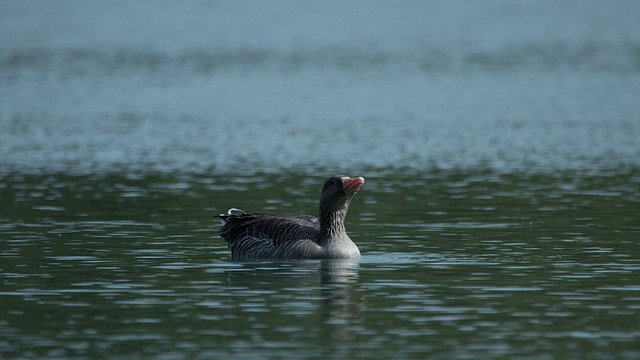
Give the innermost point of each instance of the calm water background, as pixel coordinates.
(499, 140)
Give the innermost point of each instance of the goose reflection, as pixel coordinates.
(337, 278)
(340, 301)
(323, 287)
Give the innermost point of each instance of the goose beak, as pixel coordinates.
(351, 185)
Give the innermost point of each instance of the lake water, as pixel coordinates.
(499, 141)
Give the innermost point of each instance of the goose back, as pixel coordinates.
(266, 235)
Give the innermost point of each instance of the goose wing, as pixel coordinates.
(260, 235)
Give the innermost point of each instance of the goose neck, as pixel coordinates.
(332, 223)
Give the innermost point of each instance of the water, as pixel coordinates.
(455, 265)
(499, 142)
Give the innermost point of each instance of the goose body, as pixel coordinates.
(262, 235)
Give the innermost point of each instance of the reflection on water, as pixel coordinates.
(527, 98)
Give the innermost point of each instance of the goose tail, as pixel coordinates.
(224, 218)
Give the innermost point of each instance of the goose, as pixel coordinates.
(262, 235)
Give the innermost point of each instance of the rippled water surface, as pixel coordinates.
(498, 139)
(454, 265)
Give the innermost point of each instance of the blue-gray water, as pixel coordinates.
(499, 140)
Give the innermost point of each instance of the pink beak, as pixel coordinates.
(351, 185)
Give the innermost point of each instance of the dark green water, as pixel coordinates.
(455, 265)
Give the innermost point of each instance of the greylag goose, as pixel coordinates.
(262, 235)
